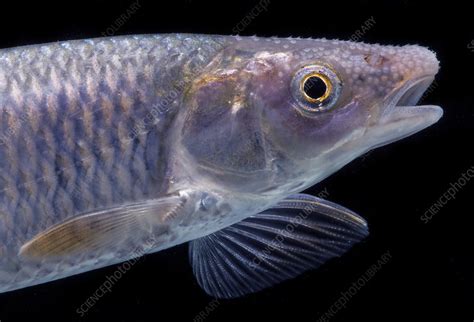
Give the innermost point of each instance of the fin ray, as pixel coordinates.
(262, 250)
(99, 231)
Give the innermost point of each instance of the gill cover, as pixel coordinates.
(221, 130)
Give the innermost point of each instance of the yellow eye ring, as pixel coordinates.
(316, 88)
(324, 80)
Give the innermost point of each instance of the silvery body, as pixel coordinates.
(115, 147)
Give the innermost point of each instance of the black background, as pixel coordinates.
(430, 274)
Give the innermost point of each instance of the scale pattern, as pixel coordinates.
(82, 127)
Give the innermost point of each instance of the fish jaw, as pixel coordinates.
(397, 115)
(400, 117)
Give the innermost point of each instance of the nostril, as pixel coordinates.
(375, 59)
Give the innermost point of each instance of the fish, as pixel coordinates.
(113, 148)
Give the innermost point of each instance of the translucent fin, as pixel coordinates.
(100, 231)
(300, 233)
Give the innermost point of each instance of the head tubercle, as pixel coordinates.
(268, 105)
(359, 63)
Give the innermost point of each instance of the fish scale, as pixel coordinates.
(68, 113)
(115, 147)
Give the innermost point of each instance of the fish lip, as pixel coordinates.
(409, 93)
(402, 102)
(400, 116)
(415, 90)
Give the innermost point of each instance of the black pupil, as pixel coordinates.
(314, 87)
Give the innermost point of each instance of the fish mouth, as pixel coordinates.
(410, 93)
(400, 116)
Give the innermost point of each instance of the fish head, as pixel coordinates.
(283, 114)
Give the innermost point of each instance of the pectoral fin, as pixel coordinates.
(300, 233)
(101, 231)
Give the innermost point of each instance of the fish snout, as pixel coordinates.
(408, 73)
(412, 71)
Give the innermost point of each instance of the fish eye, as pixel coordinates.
(316, 88)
